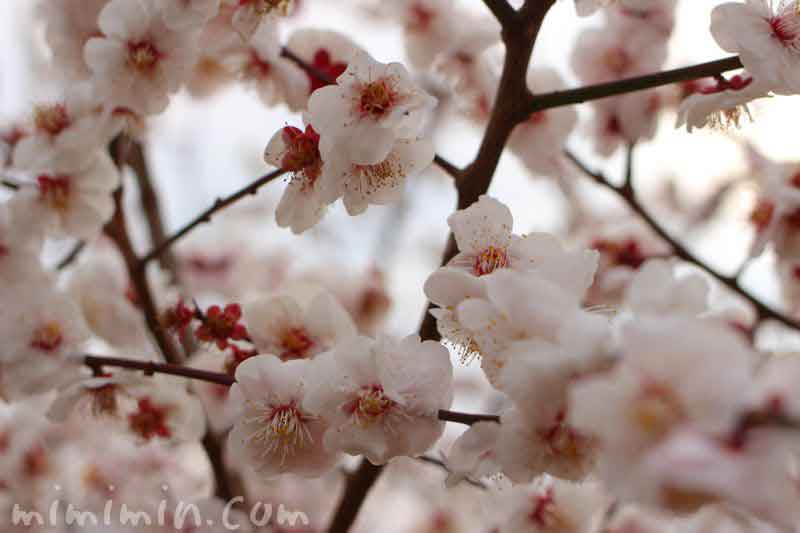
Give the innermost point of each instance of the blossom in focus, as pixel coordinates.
(276, 433)
(311, 187)
(381, 397)
(766, 36)
(372, 106)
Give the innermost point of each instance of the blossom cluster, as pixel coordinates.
(622, 399)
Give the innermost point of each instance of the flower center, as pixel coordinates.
(262, 7)
(47, 337)
(419, 18)
(104, 400)
(51, 119)
(489, 260)
(36, 462)
(302, 156)
(371, 405)
(617, 60)
(256, 67)
(286, 430)
(143, 56)
(786, 29)
(149, 420)
(657, 410)
(296, 344)
(762, 214)
(55, 191)
(377, 98)
(546, 515)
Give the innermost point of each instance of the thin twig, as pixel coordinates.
(540, 102)
(205, 216)
(151, 205)
(72, 255)
(680, 250)
(466, 418)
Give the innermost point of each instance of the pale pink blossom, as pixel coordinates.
(722, 106)
(275, 79)
(139, 61)
(472, 455)
(289, 328)
(43, 334)
(70, 194)
(68, 26)
(276, 432)
(188, 14)
(372, 106)
(312, 185)
(248, 15)
(383, 182)
(766, 36)
(382, 397)
(540, 140)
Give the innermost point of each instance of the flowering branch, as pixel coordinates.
(205, 216)
(519, 39)
(628, 194)
(540, 102)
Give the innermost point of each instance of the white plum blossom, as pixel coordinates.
(187, 14)
(472, 455)
(43, 334)
(539, 141)
(311, 187)
(766, 36)
(248, 15)
(721, 106)
(674, 373)
(275, 78)
(372, 106)
(68, 26)
(94, 397)
(70, 127)
(381, 397)
(139, 61)
(162, 409)
(289, 328)
(382, 183)
(657, 290)
(70, 193)
(551, 505)
(327, 54)
(99, 284)
(276, 433)
(21, 241)
(533, 443)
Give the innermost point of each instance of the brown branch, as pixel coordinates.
(680, 250)
(540, 102)
(205, 216)
(117, 230)
(151, 206)
(465, 418)
(502, 11)
(72, 255)
(151, 367)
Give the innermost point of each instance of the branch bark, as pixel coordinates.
(628, 195)
(502, 11)
(540, 102)
(205, 216)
